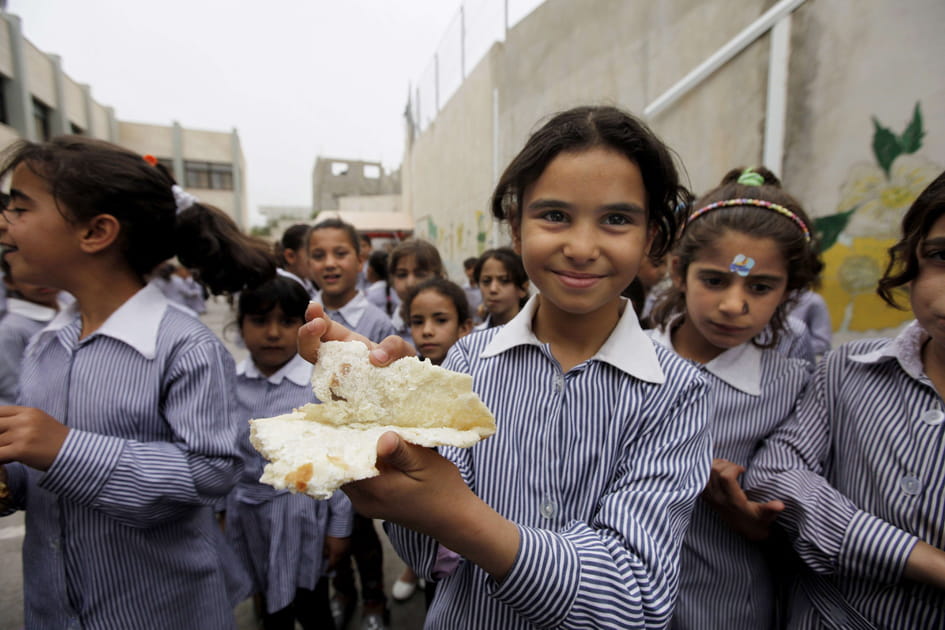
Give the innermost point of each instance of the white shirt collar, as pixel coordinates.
(627, 348)
(297, 370)
(740, 366)
(30, 310)
(353, 310)
(906, 348)
(305, 282)
(135, 322)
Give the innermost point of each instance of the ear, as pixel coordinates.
(516, 228)
(290, 256)
(523, 291)
(99, 233)
(465, 328)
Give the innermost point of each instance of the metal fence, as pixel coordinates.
(476, 26)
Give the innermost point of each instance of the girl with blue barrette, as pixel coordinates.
(745, 253)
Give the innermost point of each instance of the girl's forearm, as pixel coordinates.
(482, 536)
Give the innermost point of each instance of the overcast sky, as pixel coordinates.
(296, 78)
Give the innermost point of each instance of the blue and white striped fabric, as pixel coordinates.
(599, 467)
(120, 531)
(363, 318)
(22, 321)
(861, 468)
(726, 581)
(277, 535)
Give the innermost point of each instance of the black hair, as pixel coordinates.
(470, 262)
(903, 264)
(587, 127)
(800, 254)
(279, 291)
(295, 238)
(338, 224)
(88, 177)
(446, 288)
(513, 266)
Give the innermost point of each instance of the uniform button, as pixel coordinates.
(548, 508)
(933, 417)
(910, 485)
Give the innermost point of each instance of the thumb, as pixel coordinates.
(394, 452)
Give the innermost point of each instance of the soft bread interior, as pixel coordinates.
(319, 447)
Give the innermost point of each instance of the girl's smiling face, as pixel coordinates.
(732, 289)
(40, 245)
(583, 231)
(335, 265)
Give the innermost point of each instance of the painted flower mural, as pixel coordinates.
(855, 240)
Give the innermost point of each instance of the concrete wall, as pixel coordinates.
(851, 61)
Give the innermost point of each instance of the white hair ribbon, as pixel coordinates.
(182, 198)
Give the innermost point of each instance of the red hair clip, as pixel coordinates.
(150, 159)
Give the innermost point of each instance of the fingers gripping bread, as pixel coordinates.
(319, 447)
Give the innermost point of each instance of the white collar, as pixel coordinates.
(305, 282)
(627, 348)
(740, 366)
(30, 310)
(297, 370)
(353, 310)
(906, 348)
(135, 322)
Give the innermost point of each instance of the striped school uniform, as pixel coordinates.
(121, 530)
(599, 467)
(363, 318)
(726, 581)
(861, 469)
(278, 536)
(22, 320)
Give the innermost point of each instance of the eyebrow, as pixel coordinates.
(753, 276)
(934, 242)
(554, 204)
(16, 193)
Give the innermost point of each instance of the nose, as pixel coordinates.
(427, 329)
(272, 330)
(734, 302)
(581, 246)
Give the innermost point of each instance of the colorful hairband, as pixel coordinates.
(761, 203)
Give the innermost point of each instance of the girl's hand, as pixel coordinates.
(335, 550)
(422, 490)
(318, 328)
(30, 436)
(725, 495)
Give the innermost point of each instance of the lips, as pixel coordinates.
(727, 330)
(578, 280)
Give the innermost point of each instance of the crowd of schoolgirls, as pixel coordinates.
(715, 466)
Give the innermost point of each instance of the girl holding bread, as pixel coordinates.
(573, 513)
(124, 440)
(286, 541)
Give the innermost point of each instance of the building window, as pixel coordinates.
(208, 175)
(41, 119)
(76, 130)
(4, 112)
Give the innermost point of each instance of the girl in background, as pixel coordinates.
(410, 263)
(439, 316)
(31, 308)
(573, 513)
(287, 542)
(121, 462)
(294, 261)
(745, 253)
(503, 284)
(334, 247)
(860, 467)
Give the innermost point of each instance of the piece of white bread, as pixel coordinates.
(319, 447)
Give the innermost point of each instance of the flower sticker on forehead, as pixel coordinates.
(741, 265)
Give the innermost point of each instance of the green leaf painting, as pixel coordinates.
(887, 146)
(828, 228)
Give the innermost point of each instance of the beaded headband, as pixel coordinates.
(761, 203)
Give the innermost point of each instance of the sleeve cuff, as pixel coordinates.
(340, 516)
(874, 549)
(83, 466)
(544, 579)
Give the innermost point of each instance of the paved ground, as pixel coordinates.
(404, 616)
